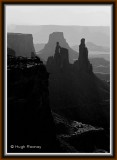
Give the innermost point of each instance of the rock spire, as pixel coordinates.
(83, 62)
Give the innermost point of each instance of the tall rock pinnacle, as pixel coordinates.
(83, 62)
(74, 89)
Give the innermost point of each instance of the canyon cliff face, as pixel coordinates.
(30, 121)
(49, 48)
(45, 103)
(22, 44)
(74, 89)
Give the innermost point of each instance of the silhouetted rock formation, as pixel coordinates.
(83, 62)
(74, 89)
(61, 56)
(29, 116)
(49, 48)
(59, 61)
(22, 44)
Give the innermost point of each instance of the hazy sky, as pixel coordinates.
(87, 15)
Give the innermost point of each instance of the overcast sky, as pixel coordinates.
(87, 15)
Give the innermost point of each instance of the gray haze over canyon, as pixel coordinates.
(99, 35)
(44, 38)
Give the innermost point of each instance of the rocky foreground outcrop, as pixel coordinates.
(22, 44)
(30, 121)
(76, 137)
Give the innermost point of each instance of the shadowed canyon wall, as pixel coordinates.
(75, 91)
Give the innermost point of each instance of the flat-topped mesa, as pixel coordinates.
(83, 62)
(49, 49)
(22, 44)
(57, 36)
